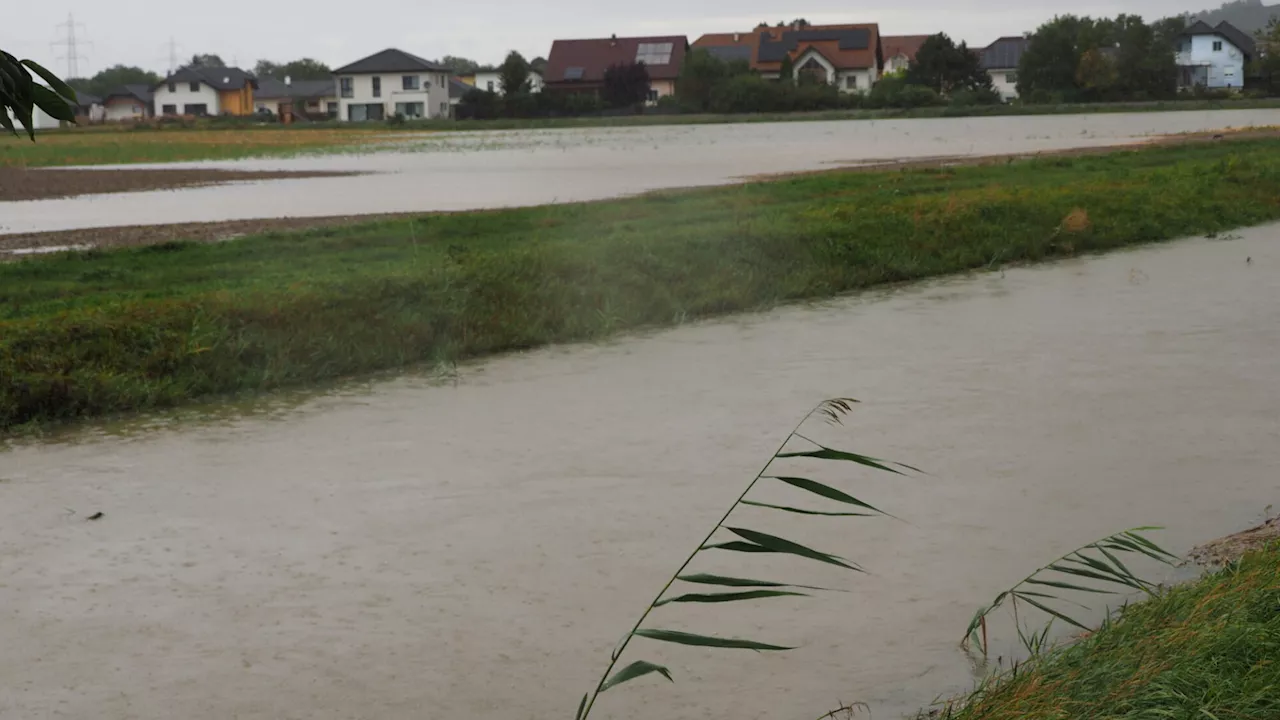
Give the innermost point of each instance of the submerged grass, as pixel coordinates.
(99, 332)
(1209, 649)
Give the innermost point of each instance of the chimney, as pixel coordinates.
(613, 40)
(288, 80)
(737, 37)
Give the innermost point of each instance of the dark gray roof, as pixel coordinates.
(1004, 53)
(729, 53)
(389, 61)
(272, 88)
(1238, 38)
(84, 99)
(137, 92)
(774, 50)
(457, 88)
(226, 78)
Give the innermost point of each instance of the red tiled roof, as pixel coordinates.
(908, 45)
(595, 56)
(832, 41)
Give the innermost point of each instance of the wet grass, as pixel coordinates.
(117, 147)
(1208, 649)
(100, 332)
(110, 146)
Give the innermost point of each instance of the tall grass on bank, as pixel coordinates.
(745, 540)
(101, 332)
(1208, 649)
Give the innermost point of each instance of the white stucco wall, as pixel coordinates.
(40, 120)
(1005, 82)
(183, 96)
(120, 108)
(863, 80)
(896, 63)
(484, 78)
(1225, 66)
(433, 93)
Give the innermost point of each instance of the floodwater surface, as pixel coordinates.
(468, 171)
(475, 548)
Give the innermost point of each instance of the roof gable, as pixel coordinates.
(586, 60)
(844, 46)
(1003, 54)
(142, 93)
(223, 78)
(904, 45)
(390, 60)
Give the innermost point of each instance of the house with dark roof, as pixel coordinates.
(392, 82)
(900, 51)
(848, 56)
(312, 98)
(128, 102)
(205, 91)
(1000, 59)
(579, 65)
(1213, 57)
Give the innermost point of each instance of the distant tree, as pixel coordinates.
(1096, 73)
(304, 69)
(787, 72)
(538, 65)
(206, 60)
(701, 75)
(113, 77)
(945, 67)
(479, 105)
(459, 65)
(1267, 67)
(625, 85)
(798, 22)
(22, 95)
(514, 75)
(1052, 57)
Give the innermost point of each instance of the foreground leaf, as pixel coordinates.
(827, 453)
(738, 546)
(801, 511)
(637, 669)
(728, 597)
(684, 638)
(55, 83)
(582, 706)
(705, 579)
(776, 544)
(826, 491)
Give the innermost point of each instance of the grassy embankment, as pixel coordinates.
(1209, 649)
(99, 332)
(215, 141)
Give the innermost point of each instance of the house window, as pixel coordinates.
(444, 109)
(1011, 78)
(348, 87)
(173, 87)
(194, 87)
(410, 82)
(377, 86)
(195, 109)
(1217, 46)
(169, 110)
(654, 53)
(410, 109)
(332, 108)
(653, 95)
(490, 86)
(360, 113)
(851, 82)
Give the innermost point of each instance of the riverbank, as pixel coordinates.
(217, 140)
(1204, 649)
(85, 334)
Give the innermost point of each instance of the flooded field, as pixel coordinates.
(466, 171)
(474, 547)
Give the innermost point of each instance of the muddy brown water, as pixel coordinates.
(467, 171)
(474, 547)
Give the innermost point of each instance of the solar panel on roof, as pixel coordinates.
(573, 73)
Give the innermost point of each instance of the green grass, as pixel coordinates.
(220, 140)
(1207, 650)
(100, 332)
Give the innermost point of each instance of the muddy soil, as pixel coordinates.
(1233, 547)
(45, 183)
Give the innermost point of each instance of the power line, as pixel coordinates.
(71, 46)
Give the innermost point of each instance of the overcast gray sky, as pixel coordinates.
(137, 32)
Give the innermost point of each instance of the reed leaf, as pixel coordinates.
(728, 597)
(1098, 561)
(637, 669)
(751, 541)
(684, 638)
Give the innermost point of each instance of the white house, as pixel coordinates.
(1213, 57)
(1000, 59)
(491, 80)
(389, 83)
(205, 91)
(128, 102)
(313, 98)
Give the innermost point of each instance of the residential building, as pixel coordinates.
(579, 65)
(313, 98)
(491, 80)
(900, 51)
(392, 82)
(40, 120)
(1213, 57)
(457, 89)
(89, 108)
(205, 91)
(128, 102)
(847, 56)
(1000, 59)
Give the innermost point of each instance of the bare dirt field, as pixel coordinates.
(40, 184)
